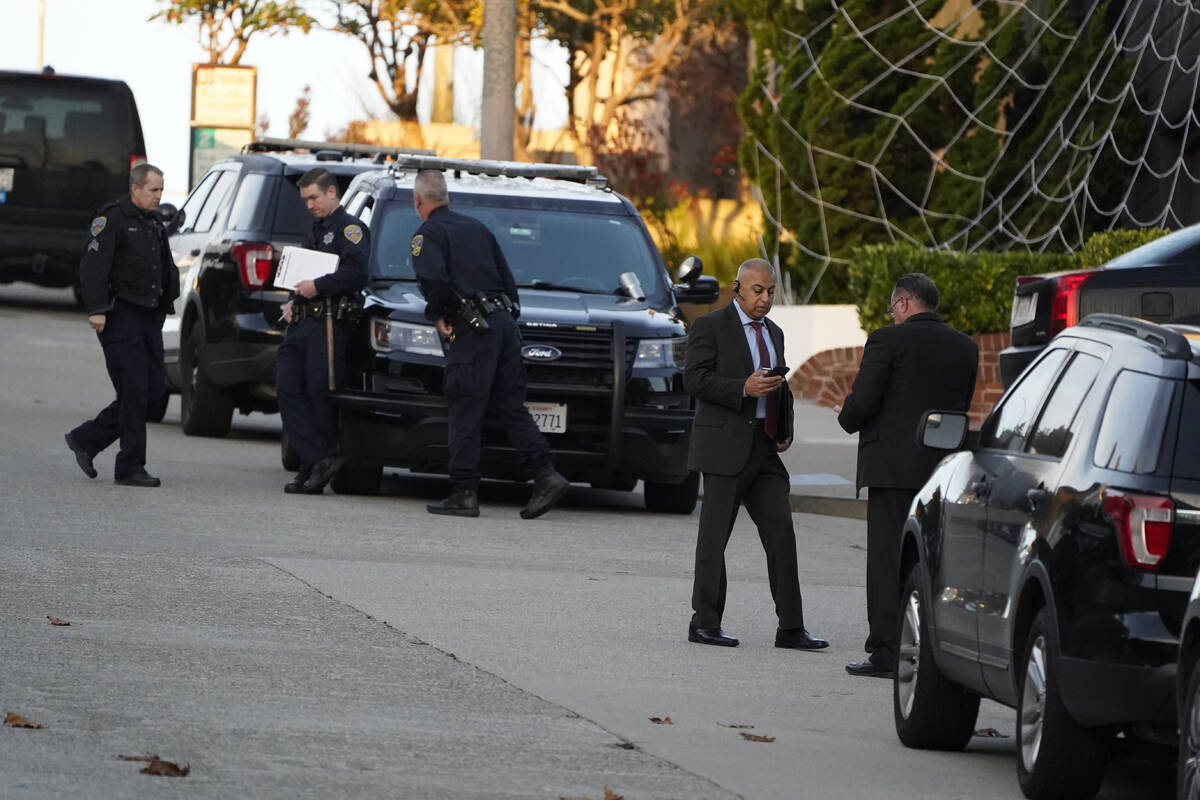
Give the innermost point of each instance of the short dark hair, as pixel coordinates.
(920, 287)
(139, 174)
(323, 178)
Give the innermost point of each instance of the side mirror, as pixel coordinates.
(704, 290)
(690, 269)
(942, 430)
(169, 215)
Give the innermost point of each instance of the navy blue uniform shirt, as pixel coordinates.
(127, 257)
(453, 253)
(346, 236)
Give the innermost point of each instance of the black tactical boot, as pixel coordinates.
(460, 503)
(548, 489)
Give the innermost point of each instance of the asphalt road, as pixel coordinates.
(293, 646)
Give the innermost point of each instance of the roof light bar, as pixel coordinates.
(501, 169)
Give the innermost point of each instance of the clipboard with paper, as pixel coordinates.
(301, 264)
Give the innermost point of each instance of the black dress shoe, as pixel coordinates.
(322, 472)
(82, 457)
(460, 503)
(713, 636)
(548, 489)
(296, 484)
(798, 639)
(139, 479)
(869, 669)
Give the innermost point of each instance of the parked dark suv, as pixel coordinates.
(603, 334)
(66, 146)
(1048, 566)
(1158, 281)
(220, 344)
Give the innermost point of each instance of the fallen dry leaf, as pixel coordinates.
(138, 758)
(661, 720)
(57, 620)
(753, 737)
(168, 768)
(609, 794)
(14, 720)
(734, 725)
(991, 733)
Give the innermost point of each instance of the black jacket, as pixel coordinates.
(919, 365)
(127, 258)
(717, 365)
(456, 256)
(346, 237)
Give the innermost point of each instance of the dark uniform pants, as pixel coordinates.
(886, 510)
(302, 388)
(485, 376)
(762, 486)
(133, 354)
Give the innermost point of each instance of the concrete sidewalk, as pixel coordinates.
(822, 462)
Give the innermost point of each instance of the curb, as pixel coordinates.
(848, 507)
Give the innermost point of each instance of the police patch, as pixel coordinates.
(327, 238)
(417, 241)
(353, 233)
(98, 225)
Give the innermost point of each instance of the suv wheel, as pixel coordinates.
(1188, 779)
(204, 408)
(287, 454)
(673, 498)
(932, 712)
(1057, 757)
(356, 478)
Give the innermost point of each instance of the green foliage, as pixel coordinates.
(226, 26)
(1107, 245)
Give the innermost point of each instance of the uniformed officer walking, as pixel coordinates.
(457, 259)
(129, 282)
(324, 305)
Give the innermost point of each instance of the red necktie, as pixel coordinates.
(771, 423)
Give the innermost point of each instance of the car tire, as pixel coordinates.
(1056, 756)
(1188, 777)
(204, 408)
(932, 712)
(357, 478)
(287, 454)
(673, 498)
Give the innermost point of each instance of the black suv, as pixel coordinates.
(1158, 282)
(1048, 566)
(220, 344)
(603, 334)
(67, 144)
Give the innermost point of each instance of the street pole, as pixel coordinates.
(41, 34)
(499, 79)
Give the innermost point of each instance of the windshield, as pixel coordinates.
(551, 248)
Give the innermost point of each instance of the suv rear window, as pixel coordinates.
(1134, 422)
(55, 125)
(1187, 458)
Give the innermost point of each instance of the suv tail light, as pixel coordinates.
(1064, 305)
(254, 263)
(1144, 523)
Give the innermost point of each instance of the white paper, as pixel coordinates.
(299, 264)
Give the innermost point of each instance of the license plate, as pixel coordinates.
(549, 417)
(1024, 309)
(6, 178)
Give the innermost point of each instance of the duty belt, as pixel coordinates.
(340, 308)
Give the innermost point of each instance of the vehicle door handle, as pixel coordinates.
(196, 252)
(1036, 497)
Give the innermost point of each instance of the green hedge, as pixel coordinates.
(976, 288)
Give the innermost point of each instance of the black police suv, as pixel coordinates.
(1048, 565)
(67, 144)
(1157, 282)
(603, 335)
(220, 344)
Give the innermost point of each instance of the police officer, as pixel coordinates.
(456, 258)
(129, 283)
(301, 363)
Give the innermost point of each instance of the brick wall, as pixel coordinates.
(827, 376)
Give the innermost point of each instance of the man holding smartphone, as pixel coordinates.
(734, 368)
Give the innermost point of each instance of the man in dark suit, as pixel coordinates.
(743, 422)
(918, 364)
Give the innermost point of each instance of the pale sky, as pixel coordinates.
(113, 39)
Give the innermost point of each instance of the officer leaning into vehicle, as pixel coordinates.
(472, 298)
(320, 315)
(129, 283)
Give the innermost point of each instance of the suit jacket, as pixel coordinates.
(715, 370)
(907, 369)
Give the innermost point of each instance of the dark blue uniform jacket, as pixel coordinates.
(457, 256)
(349, 239)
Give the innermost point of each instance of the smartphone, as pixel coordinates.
(778, 371)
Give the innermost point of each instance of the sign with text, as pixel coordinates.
(210, 145)
(223, 97)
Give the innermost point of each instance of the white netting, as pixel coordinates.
(992, 125)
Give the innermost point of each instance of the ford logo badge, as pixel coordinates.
(540, 352)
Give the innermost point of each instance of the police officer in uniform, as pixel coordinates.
(129, 282)
(457, 259)
(301, 363)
